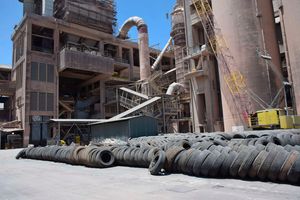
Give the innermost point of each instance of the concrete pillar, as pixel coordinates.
(102, 99)
(101, 47)
(120, 52)
(291, 28)
(131, 64)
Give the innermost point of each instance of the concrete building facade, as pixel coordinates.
(69, 65)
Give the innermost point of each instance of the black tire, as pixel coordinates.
(199, 161)
(104, 158)
(265, 166)
(184, 159)
(257, 163)
(214, 171)
(288, 163)
(208, 162)
(170, 157)
(191, 161)
(21, 154)
(276, 165)
(236, 164)
(247, 163)
(294, 172)
(157, 163)
(225, 167)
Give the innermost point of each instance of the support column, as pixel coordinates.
(131, 64)
(102, 99)
(101, 47)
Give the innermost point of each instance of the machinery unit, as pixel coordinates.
(273, 119)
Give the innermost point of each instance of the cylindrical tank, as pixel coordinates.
(28, 6)
(290, 20)
(178, 34)
(248, 26)
(178, 28)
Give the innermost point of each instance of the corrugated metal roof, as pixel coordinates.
(77, 120)
(8, 67)
(10, 130)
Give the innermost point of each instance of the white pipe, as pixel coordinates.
(144, 52)
(174, 87)
(128, 24)
(155, 64)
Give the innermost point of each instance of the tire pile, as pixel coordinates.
(90, 156)
(266, 155)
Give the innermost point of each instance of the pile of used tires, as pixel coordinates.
(90, 156)
(265, 155)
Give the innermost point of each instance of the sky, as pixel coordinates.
(154, 12)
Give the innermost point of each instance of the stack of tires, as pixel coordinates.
(90, 156)
(275, 164)
(266, 156)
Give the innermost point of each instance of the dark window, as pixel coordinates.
(136, 58)
(34, 71)
(50, 104)
(42, 101)
(34, 101)
(42, 39)
(50, 73)
(42, 72)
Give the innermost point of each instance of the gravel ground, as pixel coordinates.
(36, 180)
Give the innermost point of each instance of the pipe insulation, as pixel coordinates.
(155, 64)
(174, 87)
(143, 42)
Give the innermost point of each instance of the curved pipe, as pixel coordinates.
(129, 23)
(158, 59)
(144, 52)
(175, 87)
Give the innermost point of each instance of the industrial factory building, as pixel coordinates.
(225, 60)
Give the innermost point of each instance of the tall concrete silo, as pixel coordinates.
(179, 38)
(248, 26)
(290, 23)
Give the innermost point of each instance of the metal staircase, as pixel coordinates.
(162, 107)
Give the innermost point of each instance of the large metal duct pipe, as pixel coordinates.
(160, 56)
(144, 53)
(175, 87)
(248, 26)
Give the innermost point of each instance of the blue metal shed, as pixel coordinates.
(130, 127)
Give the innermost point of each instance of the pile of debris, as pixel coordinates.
(266, 156)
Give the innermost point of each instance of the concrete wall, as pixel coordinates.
(290, 20)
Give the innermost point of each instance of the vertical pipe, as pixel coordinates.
(144, 53)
